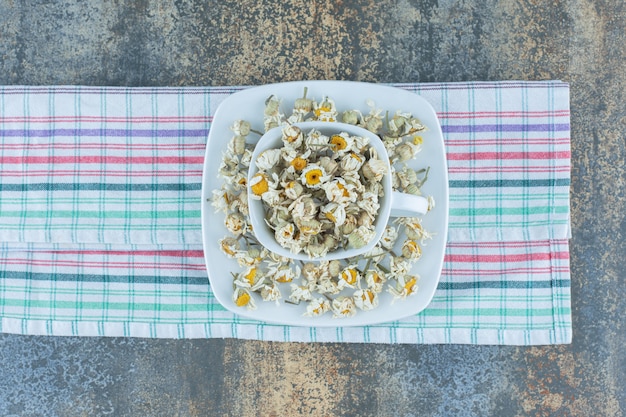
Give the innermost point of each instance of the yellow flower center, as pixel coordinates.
(368, 295)
(409, 285)
(345, 191)
(250, 276)
(243, 299)
(227, 249)
(260, 186)
(313, 177)
(349, 276)
(299, 163)
(331, 217)
(339, 142)
(284, 278)
(418, 140)
(355, 156)
(320, 110)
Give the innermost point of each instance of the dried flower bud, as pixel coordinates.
(360, 237)
(405, 152)
(241, 128)
(334, 268)
(349, 225)
(272, 105)
(237, 145)
(303, 105)
(350, 117)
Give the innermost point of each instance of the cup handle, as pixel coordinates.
(407, 205)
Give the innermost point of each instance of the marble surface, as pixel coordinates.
(185, 42)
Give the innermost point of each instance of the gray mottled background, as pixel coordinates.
(184, 42)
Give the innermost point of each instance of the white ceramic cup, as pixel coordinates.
(392, 204)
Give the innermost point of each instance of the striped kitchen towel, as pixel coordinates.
(100, 217)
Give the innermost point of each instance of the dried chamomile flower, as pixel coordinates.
(238, 181)
(316, 250)
(374, 120)
(316, 140)
(243, 298)
(330, 165)
(300, 293)
(272, 116)
(351, 117)
(375, 280)
(229, 165)
(268, 159)
(240, 203)
(235, 223)
(259, 184)
(333, 268)
(406, 151)
(230, 246)
(286, 237)
(327, 286)
(272, 106)
(250, 257)
(399, 266)
(351, 162)
(390, 235)
(221, 200)
(368, 202)
(334, 212)
(271, 292)
(272, 197)
(292, 136)
(413, 228)
(325, 111)
(343, 307)
(406, 176)
(349, 277)
(251, 279)
(349, 225)
(413, 125)
(237, 145)
(365, 299)
(314, 176)
(301, 108)
(397, 123)
(361, 236)
(241, 127)
(304, 207)
(317, 307)
(341, 143)
(293, 189)
(340, 192)
(405, 286)
(411, 250)
(246, 159)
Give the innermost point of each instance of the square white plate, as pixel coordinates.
(248, 105)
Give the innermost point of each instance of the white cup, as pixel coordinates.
(392, 204)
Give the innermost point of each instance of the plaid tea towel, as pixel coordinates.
(100, 229)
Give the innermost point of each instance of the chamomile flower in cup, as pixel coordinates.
(322, 191)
